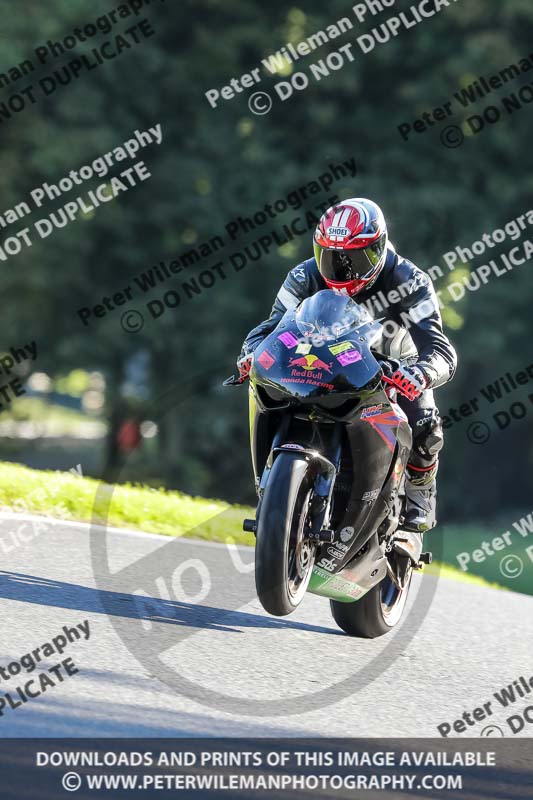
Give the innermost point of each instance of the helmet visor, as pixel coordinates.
(341, 266)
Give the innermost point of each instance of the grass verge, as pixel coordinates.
(65, 495)
(68, 496)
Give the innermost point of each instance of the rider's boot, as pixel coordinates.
(420, 498)
(420, 509)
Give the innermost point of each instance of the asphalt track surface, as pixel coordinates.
(220, 666)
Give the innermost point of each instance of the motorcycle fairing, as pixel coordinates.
(324, 380)
(384, 470)
(352, 581)
(385, 424)
(289, 365)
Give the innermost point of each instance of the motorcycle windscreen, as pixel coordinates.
(323, 347)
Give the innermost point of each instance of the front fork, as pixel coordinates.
(325, 469)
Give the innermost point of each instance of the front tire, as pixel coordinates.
(375, 614)
(283, 558)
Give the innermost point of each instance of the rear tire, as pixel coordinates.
(283, 562)
(375, 614)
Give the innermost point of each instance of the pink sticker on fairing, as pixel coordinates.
(288, 339)
(349, 358)
(266, 360)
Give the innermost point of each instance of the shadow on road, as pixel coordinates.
(107, 718)
(43, 591)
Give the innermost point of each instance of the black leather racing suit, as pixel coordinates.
(404, 301)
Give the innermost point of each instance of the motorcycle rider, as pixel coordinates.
(353, 255)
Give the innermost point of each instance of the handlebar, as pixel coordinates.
(234, 380)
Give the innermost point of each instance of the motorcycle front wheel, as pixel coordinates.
(284, 558)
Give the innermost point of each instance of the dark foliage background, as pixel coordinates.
(216, 164)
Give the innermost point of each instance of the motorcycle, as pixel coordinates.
(329, 450)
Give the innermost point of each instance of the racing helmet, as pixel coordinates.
(350, 245)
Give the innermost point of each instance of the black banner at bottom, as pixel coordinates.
(265, 768)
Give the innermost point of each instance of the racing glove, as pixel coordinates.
(244, 365)
(410, 381)
(389, 367)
